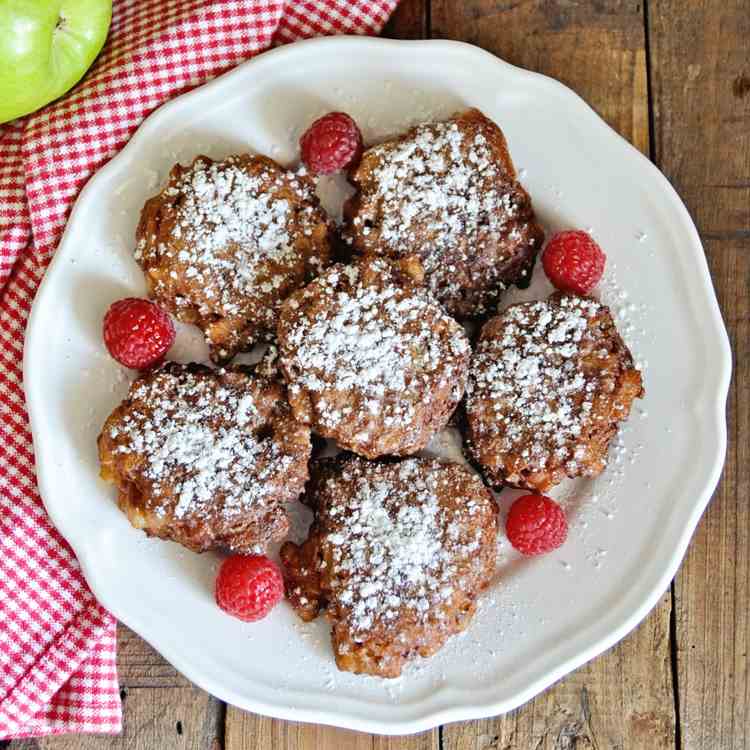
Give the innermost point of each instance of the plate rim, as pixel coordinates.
(426, 717)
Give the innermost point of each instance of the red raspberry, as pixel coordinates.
(137, 332)
(573, 262)
(249, 586)
(331, 143)
(536, 524)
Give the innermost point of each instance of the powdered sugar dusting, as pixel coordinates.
(432, 176)
(373, 339)
(396, 549)
(230, 226)
(200, 447)
(532, 376)
(445, 193)
(222, 204)
(225, 242)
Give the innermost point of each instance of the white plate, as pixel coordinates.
(630, 527)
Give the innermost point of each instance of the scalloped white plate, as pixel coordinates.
(629, 528)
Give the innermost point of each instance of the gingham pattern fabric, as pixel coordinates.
(57, 644)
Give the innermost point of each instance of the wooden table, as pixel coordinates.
(673, 77)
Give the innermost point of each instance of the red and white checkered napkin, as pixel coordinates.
(57, 644)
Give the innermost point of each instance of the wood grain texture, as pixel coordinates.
(246, 731)
(410, 21)
(155, 719)
(624, 699)
(139, 665)
(700, 77)
(596, 48)
(700, 80)
(621, 700)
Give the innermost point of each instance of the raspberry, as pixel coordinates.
(573, 262)
(137, 332)
(249, 586)
(331, 143)
(536, 524)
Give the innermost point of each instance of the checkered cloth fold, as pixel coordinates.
(57, 644)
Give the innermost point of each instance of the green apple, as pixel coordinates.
(45, 48)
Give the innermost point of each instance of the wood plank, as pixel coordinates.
(598, 49)
(700, 78)
(163, 719)
(621, 700)
(139, 665)
(245, 731)
(624, 698)
(409, 21)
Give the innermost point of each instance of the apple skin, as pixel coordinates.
(45, 48)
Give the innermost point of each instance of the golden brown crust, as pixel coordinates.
(549, 383)
(207, 458)
(226, 242)
(447, 192)
(397, 555)
(371, 359)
